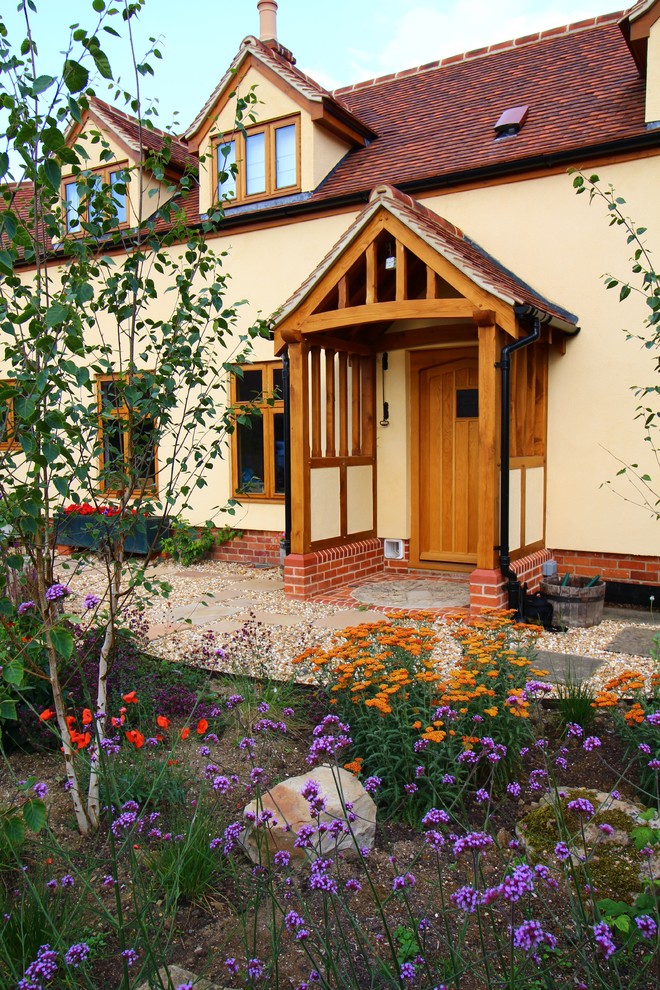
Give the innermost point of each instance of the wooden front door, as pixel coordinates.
(445, 457)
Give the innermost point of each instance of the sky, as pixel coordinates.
(337, 42)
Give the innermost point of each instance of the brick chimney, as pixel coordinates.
(268, 29)
(267, 20)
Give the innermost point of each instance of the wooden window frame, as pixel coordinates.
(272, 191)
(268, 413)
(105, 172)
(11, 443)
(120, 415)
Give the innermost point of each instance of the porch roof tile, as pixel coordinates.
(450, 242)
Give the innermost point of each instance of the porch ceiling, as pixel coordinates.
(400, 261)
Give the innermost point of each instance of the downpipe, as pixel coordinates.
(515, 591)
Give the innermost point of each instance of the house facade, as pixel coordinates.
(452, 384)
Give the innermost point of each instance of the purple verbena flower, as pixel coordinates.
(57, 591)
(26, 607)
(77, 954)
(582, 807)
(591, 743)
(91, 601)
(646, 925)
(603, 938)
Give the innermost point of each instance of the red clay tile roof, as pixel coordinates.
(127, 129)
(450, 242)
(580, 82)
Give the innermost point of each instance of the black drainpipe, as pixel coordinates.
(515, 591)
(287, 452)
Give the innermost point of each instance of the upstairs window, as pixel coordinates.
(261, 163)
(7, 434)
(258, 440)
(80, 192)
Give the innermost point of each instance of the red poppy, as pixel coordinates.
(80, 739)
(70, 722)
(130, 698)
(185, 733)
(46, 715)
(136, 738)
(162, 722)
(86, 717)
(202, 726)
(115, 722)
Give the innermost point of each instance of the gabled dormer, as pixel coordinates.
(641, 29)
(300, 132)
(111, 146)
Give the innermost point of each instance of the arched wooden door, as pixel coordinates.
(445, 457)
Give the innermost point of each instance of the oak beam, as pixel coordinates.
(488, 536)
(299, 418)
(329, 403)
(408, 309)
(401, 280)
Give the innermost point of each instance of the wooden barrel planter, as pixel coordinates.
(574, 604)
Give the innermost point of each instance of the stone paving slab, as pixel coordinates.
(200, 614)
(274, 618)
(157, 630)
(563, 665)
(259, 584)
(224, 626)
(424, 593)
(636, 640)
(348, 617)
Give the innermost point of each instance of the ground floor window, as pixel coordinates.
(258, 439)
(128, 448)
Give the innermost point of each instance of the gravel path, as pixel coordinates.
(243, 612)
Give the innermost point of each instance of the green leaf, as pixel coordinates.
(75, 75)
(4, 163)
(13, 831)
(7, 710)
(98, 6)
(53, 174)
(13, 673)
(62, 641)
(622, 923)
(56, 315)
(101, 62)
(34, 814)
(6, 262)
(41, 84)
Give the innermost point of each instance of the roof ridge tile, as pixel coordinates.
(527, 39)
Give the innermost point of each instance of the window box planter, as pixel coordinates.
(143, 534)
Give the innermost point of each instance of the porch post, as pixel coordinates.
(489, 444)
(299, 445)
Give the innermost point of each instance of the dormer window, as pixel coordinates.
(80, 193)
(266, 160)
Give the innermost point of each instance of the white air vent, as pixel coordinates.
(393, 549)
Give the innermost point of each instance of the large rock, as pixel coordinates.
(291, 811)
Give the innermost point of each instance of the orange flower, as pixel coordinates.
(70, 722)
(202, 726)
(135, 737)
(130, 698)
(491, 711)
(46, 715)
(162, 722)
(115, 722)
(355, 766)
(86, 717)
(185, 733)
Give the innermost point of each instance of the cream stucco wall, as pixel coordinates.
(561, 246)
(359, 498)
(325, 503)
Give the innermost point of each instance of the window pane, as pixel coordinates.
(95, 209)
(226, 178)
(110, 397)
(119, 195)
(113, 451)
(71, 205)
(144, 454)
(285, 156)
(250, 457)
(249, 388)
(5, 423)
(278, 430)
(278, 386)
(467, 403)
(255, 164)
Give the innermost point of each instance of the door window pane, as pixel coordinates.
(226, 177)
(467, 403)
(250, 440)
(255, 164)
(278, 383)
(285, 156)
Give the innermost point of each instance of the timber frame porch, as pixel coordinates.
(404, 280)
